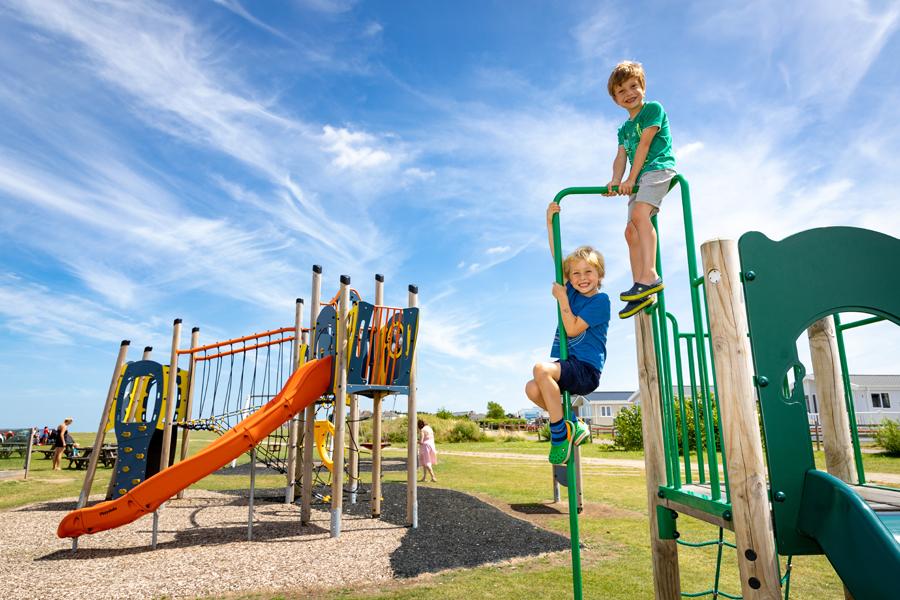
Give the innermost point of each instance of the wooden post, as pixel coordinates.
(835, 422)
(309, 419)
(340, 408)
(757, 560)
(171, 396)
(101, 430)
(376, 421)
(294, 428)
(189, 409)
(28, 448)
(412, 499)
(826, 365)
(664, 552)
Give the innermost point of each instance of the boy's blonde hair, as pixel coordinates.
(590, 256)
(624, 71)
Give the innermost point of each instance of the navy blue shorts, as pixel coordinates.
(577, 376)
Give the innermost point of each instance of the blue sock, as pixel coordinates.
(558, 433)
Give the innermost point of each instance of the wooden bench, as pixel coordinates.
(48, 453)
(78, 462)
(7, 450)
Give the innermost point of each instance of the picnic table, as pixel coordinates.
(107, 457)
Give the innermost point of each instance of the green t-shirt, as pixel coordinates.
(660, 154)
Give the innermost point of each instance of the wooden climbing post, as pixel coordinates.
(340, 407)
(738, 419)
(376, 422)
(189, 408)
(664, 552)
(309, 418)
(294, 429)
(826, 365)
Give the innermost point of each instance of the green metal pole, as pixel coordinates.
(664, 367)
(698, 435)
(685, 442)
(699, 330)
(566, 400)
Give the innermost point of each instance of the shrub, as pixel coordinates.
(544, 432)
(888, 437)
(443, 413)
(445, 430)
(628, 434)
(495, 411)
(464, 431)
(692, 427)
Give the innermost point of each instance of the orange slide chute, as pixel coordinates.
(303, 388)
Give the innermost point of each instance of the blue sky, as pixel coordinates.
(193, 160)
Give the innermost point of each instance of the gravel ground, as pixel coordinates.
(203, 548)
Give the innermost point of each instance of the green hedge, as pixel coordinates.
(629, 436)
(888, 437)
(445, 430)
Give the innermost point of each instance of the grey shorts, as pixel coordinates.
(652, 188)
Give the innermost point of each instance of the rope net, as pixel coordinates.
(235, 378)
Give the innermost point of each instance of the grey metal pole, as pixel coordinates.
(252, 492)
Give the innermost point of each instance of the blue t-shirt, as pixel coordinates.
(590, 345)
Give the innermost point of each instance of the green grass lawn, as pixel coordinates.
(614, 528)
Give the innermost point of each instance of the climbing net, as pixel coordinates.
(235, 378)
(715, 590)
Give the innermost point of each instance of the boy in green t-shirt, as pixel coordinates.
(645, 142)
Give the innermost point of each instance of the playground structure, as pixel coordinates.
(261, 393)
(748, 309)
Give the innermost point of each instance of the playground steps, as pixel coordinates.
(696, 501)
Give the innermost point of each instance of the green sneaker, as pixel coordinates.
(559, 453)
(578, 431)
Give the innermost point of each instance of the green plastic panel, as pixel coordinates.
(788, 285)
(859, 546)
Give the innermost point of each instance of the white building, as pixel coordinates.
(875, 397)
(604, 406)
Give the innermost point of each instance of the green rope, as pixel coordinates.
(715, 592)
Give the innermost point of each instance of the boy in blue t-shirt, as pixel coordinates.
(585, 314)
(645, 142)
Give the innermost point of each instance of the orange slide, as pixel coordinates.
(304, 387)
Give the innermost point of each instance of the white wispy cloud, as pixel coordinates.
(789, 38)
(353, 149)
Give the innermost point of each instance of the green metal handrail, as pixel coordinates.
(848, 392)
(696, 343)
(566, 400)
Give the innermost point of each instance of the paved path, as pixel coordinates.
(889, 478)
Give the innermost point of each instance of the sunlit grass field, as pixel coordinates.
(614, 527)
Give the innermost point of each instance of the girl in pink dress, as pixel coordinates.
(427, 450)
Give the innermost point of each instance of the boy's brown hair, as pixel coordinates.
(624, 71)
(590, 256)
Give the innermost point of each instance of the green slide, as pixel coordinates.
(863, 546)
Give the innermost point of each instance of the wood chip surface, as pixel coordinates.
(202, 548)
